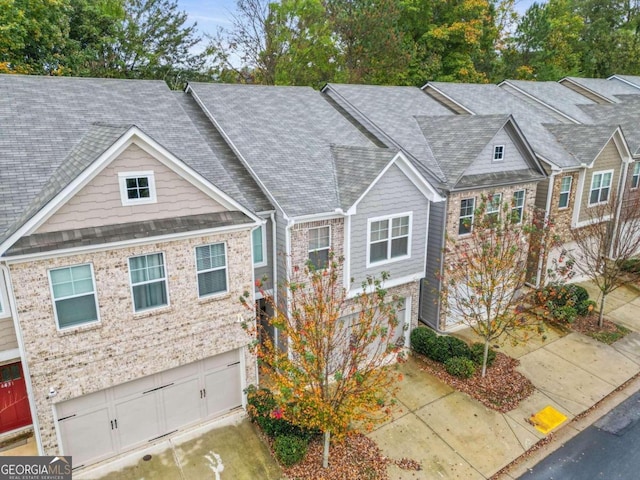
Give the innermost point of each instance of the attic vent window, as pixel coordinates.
(498, 153)
(137, 188)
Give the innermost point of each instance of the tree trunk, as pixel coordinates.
(601, 318)
(325, 453)
(485, 357)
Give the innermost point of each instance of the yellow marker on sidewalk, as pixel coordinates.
(547, 419)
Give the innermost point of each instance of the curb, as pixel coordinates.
(557, 439)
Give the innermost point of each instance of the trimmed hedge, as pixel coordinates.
(263, 410)
(477, 354)
(421, 339)
(461, 367)
(290, 449)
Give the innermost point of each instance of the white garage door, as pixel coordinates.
(102, 424)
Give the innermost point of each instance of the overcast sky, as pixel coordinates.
(210, 14)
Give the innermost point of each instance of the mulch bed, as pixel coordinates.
(588, 325)
(502, 389)
(356, 458)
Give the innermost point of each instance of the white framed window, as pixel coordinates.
(259, 246)
(137, 188)
(319, 246)
(465, 222)
(565, 192)
(389, 238)
(517, 210)
(211, 267)
(148, 282)
(498, 153)
(74, 295)
(635, 178)
(600, 187)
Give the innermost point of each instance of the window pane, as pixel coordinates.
(258, 254)
(217, 255)
(604, 194)
(62, 290)
(606, 180)
(319, 238)
(566, 184)
(83, 286)
(149, 295)
(77, 310)
(15, 372)
(399, 246)
(465, 225)
(564, 200)
(143, 182)
(212, 282)
(378, 252)
(61, 275)
(319, 258)
(594, 196)
(597, 179)
(379, 230)
(400, 226)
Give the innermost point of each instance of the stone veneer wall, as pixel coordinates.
(562, 218)
(300, 240)
(124, 345)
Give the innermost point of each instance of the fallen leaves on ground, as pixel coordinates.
(608, 333)
(357, 457)
(502, 389)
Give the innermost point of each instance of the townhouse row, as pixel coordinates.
(133, 218)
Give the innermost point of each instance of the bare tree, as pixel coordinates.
(610, 238)
(487, 271)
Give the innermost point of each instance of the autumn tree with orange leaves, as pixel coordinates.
(336, 373)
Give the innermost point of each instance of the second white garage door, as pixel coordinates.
(100, 425)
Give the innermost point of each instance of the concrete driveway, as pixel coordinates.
(230, 452)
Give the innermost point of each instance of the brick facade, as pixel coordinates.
(125, 345)
(562, 217)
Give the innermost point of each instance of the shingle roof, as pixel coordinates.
(583, 141)
(487, 99)
(626, 114)
(44, 242)
(606, 88)
(456, 141)
(285, 135)
(393, 111)
(555, 95)
(356, 168)
(46, 122)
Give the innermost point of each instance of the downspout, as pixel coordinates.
(25, 366)
(547, 211)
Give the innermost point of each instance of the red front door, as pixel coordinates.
(14, 404)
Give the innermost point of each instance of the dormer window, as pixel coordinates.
(498, 153)
(137, 188)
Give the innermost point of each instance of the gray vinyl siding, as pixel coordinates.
(281, 252)
(513, 158)
(267, 271)
(393, 194)
(541, 193)
(429, 311)
(8, 340)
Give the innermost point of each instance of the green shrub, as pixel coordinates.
(461, 367)
(586, 307)
(263, 409)
(580, 294)
(565, 314)
(477, 354)
(290, 449)
(632, 265)
(421, 338)
(445, 347)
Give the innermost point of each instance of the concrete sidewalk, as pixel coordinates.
(454, 436)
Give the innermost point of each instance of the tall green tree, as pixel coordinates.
(33, 34)
(546, 44)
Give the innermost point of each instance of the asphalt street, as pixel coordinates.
(609, 449)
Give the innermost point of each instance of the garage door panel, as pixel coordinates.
(138, 420)
(134, 387)
(180, 373)
(88, 437)
(90, 401)
(221, 361)
(182, 404)
(223, 390)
